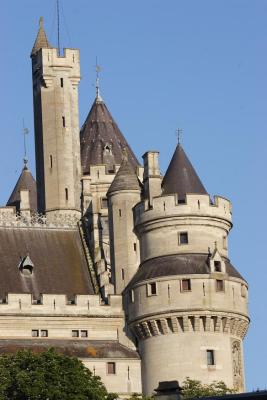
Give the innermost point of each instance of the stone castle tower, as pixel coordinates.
(56, 122)
(122, 266)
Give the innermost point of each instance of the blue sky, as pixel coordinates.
(197, 65)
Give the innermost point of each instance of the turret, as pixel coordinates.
(102, 151)
(23, 196)
(123, 195)
(187, 304)
(56, 122)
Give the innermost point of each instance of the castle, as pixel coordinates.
(105, 259)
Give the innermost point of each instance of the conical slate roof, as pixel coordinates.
(101, 140)
(125, 179)
(181, 178)
(41, 41)
(27, 182)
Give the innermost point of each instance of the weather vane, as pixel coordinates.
(179, 132)
(97, 70)
(25, 132)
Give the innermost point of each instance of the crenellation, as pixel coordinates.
(59, 304)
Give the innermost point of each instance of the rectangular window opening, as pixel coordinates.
(183, 238)
(134, 246)
(152, 289)
(104, 202)
(63, 122)
(66, 194)
(185, 285)
(44, 333)
(219, 285)
(111, 368)
(210, 357)
(35, 333)
(61, 82)
(122, 274)
(217, 266)
(120, 212)
(84, 333)
(75, 333)
(51, 161)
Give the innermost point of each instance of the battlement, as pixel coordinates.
(58, 304)
(198, 205)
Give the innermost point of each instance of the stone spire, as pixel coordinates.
(41, 40)
(125, 179)
(181, 177)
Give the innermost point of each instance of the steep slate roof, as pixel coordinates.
(59, 264)
(178, 265)
(181, 178)
(74, 348)
(101, 139)
(125, 179)
(25, 181)
(41, 41)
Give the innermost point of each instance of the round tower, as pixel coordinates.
(124, 193)
(187, 304)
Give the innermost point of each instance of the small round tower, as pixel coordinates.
(123, 194)
(187, 304)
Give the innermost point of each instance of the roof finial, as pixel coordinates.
(41, 22)
(97, 69)
(25, 132)
(179, 132)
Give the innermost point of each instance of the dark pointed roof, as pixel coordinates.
(125, 179)
(27, 182)
(181, 177)
(41, 41)
(101, 140)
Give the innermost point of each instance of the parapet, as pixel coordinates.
(198, 205)
(58, 304)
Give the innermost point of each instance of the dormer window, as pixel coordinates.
(26, 266)
(217, 266)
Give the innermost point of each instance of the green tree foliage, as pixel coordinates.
(194, 389)
(47, 376)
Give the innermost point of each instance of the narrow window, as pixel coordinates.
(111, 368)
(51, 161)
(210, 357)
(120, 212)
(84, 333)
(63, 122)
(152, 289)
(66, 194)
(225, 242)
(219, 285)
(131, 295)
(104, 202)
(217, 266)
(61, 82)
(134, 245)
(183, 238)
(75, 333)
(185, 285)
(122, 274)
(44, 333)
(35, 333)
